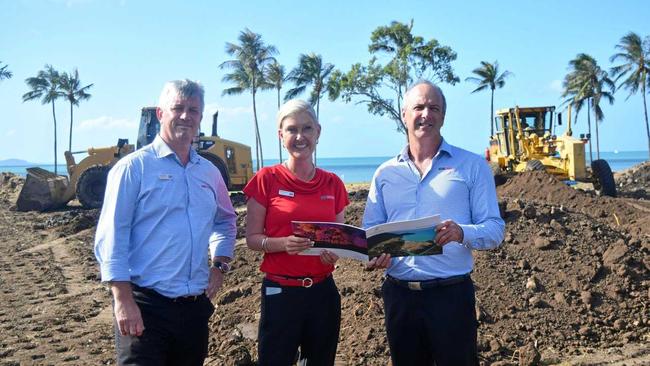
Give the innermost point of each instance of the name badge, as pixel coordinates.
(165, 177)
(282, 192)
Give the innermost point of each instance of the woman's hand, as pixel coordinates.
(328, 257)
(295, 244)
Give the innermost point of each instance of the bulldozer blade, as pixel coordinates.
(43, 190)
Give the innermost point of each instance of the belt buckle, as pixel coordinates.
(414, 286)
(307, 282)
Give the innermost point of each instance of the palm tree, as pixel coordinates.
(310, 71)
(587, 81)
(46, 86)
(489, 77)
(251, 56)
(4, 73)
(74, 93)
(635, 55)
(276, 77)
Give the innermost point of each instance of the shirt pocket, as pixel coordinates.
(203, 201)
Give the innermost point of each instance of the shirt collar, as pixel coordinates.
(444, 147)
(163, 150)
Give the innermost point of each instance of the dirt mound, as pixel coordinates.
(634, 182)
(570, 283)
(10, 186)
(632, 216)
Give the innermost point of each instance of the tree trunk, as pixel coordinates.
(70, 138)
(54, 117)
(318, 119)
(258, 142)
(645, 110)
(597, 136)
(591, 157)
(492, 114)
(279, 141)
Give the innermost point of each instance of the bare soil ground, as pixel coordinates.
(570, 285)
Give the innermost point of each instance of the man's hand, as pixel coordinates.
(448, 231)
(383, 261)
(327, 257)
(127, 312)
(214, 282)
(295, 244)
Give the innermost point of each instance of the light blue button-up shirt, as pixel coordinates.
(458, 186)
(159, 218)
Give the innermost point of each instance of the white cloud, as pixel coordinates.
(107, 123)
(337, 119)
(228, 111)
(10, 133)
(556, 86)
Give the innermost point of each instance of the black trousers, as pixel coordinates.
(176, 332)
(298, 317)
(435, 326)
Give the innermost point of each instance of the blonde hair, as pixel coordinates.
(293, 107)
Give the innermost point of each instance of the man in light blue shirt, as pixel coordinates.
(429, 300)
(165, 208)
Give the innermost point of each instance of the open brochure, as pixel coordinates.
(399, 238)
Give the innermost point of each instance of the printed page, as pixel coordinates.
(343, 240)
(425, 222)
(404, 238)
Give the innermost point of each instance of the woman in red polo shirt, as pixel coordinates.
(301, 306)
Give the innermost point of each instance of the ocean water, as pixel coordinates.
(361, 169)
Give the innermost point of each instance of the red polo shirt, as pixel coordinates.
(287, 198)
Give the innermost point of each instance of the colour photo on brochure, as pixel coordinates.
(399, 238)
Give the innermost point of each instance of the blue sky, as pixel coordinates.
(129, 48)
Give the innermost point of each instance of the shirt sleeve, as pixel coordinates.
(224, 228)
(487, 228)
(375, 212)
(257, 189)
(112, 239)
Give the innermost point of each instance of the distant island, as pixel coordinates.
(16, 162)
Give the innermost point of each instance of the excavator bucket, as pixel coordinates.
(43, 190)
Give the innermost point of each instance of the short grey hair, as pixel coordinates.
(185, 89)
(432, 85)
(293, 107)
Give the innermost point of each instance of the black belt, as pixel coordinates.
(422, 285)
(178, 300)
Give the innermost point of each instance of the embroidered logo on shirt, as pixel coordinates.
(282, 192)
(327, 197)
(445, 168)
(165, 177)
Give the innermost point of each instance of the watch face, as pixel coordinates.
(222, 266)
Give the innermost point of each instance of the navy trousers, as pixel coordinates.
(176, 332)
(434, 326)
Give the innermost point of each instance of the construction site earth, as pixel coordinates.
(569, 285)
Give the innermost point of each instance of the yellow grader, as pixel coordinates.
(525, 140)
(44, 190)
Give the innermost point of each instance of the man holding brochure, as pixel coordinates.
(429, 300)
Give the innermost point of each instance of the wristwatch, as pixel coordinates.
(223, 267)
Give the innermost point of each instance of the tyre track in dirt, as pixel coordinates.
(48, 302)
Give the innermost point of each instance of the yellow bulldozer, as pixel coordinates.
(525, 140)
(44, 190)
